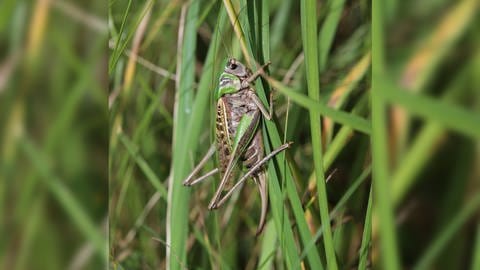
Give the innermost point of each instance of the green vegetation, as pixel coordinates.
(194, 45)
(380, 99)
(53, 136)
(424, 92)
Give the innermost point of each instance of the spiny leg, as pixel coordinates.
(201, 178)
(255, 75)
(267, 114)
(190, 180)
(220, 201)
(224, 180)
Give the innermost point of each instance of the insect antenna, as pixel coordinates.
(226, 48)
(225, 36)
(235, 50)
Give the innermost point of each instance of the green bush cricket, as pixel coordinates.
(238, 136)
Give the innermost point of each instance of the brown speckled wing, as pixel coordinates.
(223, 136)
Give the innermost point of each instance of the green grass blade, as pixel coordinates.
(414, 160)
(66, 199)
(178, 206)
(269, 245)
(149, 173)
(446, 235)
(238, 31)
(280, 24)
(367, 235)
(319, 108)
(341, 203)
(116, 52)
(313, 256)
(435, 47)
(327, 32)
(298, 212)
(309, 37)
(454, 117)
(205, 89)
(280, 217)
(121, 46)
(383, 204)
(342, 136)
(33, 222)
(423, 147)
(280, 214)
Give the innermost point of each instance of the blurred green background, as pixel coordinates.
(426, 133)
(165, 61)
(106, 106)
(53, 135)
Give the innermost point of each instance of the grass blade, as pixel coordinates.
(319, 108)
(341, 203)
(309, 37)
(178, 195)
(383, 207)
(269, 243)
(327, 33)
(280, 214)
(66, 199)
(456, 118)
(446, 235)
(149, 173)
(367, 235)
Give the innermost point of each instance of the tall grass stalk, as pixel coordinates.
(382, 198)
(178, 195)
(309, 37)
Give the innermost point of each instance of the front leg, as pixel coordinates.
(267, 114)
(254, 76)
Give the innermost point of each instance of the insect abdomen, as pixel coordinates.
(254, 152)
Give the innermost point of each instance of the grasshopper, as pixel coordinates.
(238, 136)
